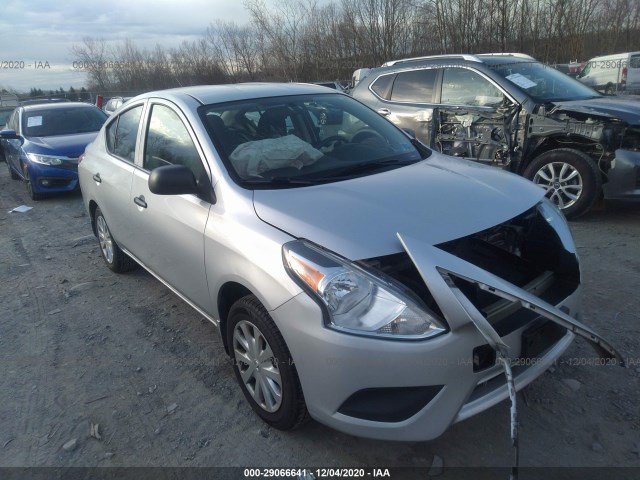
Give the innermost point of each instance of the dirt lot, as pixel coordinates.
(80, 345)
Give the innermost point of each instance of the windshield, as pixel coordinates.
(305, 139)
(544, 83)
(47, 122)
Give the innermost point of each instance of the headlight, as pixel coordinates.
(358, 301)
(558, 222)
(45, 159)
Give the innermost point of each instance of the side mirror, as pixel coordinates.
(172, 180)
(11, 135)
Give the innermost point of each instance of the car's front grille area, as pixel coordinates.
(524, 251)
(71, 164)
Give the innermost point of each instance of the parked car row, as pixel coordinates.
(510, 111)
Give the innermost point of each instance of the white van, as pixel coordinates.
(613, 73)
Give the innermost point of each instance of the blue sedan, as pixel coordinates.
(42, 144)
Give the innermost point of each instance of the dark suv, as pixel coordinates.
(511, 111)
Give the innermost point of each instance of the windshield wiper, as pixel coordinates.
(364, 167)
(280, 181)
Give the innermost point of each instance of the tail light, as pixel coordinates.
(99, 101)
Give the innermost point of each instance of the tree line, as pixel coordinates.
(307, 40)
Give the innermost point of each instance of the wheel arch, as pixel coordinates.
(228, 294)
(93, 206)
(573, 142)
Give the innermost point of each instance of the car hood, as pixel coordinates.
(436, 200)
(609, 107)
(63, 145)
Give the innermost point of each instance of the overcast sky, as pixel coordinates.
(38, 32)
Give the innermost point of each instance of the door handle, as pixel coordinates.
(385, 112)
(140, 201)
(97, 178)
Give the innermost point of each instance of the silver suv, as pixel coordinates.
(356, 276)
(508, 110)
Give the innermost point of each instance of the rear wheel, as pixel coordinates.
(263, 365)
(570, 177)
(113, 256)
(609, 89)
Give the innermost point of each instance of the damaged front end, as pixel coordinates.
(513, 283)
(502, 280)
(602, 129)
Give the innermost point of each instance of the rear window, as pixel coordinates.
(381, 85)
(416, 86)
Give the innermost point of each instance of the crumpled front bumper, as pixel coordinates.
(624, 177)
(339, 371)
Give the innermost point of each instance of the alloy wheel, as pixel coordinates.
(562, 182)
(104, 236)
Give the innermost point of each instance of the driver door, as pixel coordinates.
(473, 117)
(168, 230)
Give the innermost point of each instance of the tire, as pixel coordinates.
(27, 179)
(113, 256)
(609, 89)
(570, 177)
(281, 404)
(14, 175)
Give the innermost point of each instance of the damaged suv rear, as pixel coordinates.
(512, 112)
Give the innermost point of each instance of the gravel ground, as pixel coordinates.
(85, 351)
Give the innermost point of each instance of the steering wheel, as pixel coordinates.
(331, 139)
(370, 137)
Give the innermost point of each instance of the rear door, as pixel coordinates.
(109, 171)
(408, 99)
(167, 231)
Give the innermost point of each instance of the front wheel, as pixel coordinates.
(14, 175)
(570, 177)
(263, 365)
(113, 256)
(30, 187)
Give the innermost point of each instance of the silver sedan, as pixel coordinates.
(356, 276)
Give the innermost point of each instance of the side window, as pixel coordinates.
(461, 86)
(634, 61)
(381, 85)
(13, 122)
(168, 143)
(416, 86)
(122, 133)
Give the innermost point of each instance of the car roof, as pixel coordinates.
(56, 106)
(208, 94)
